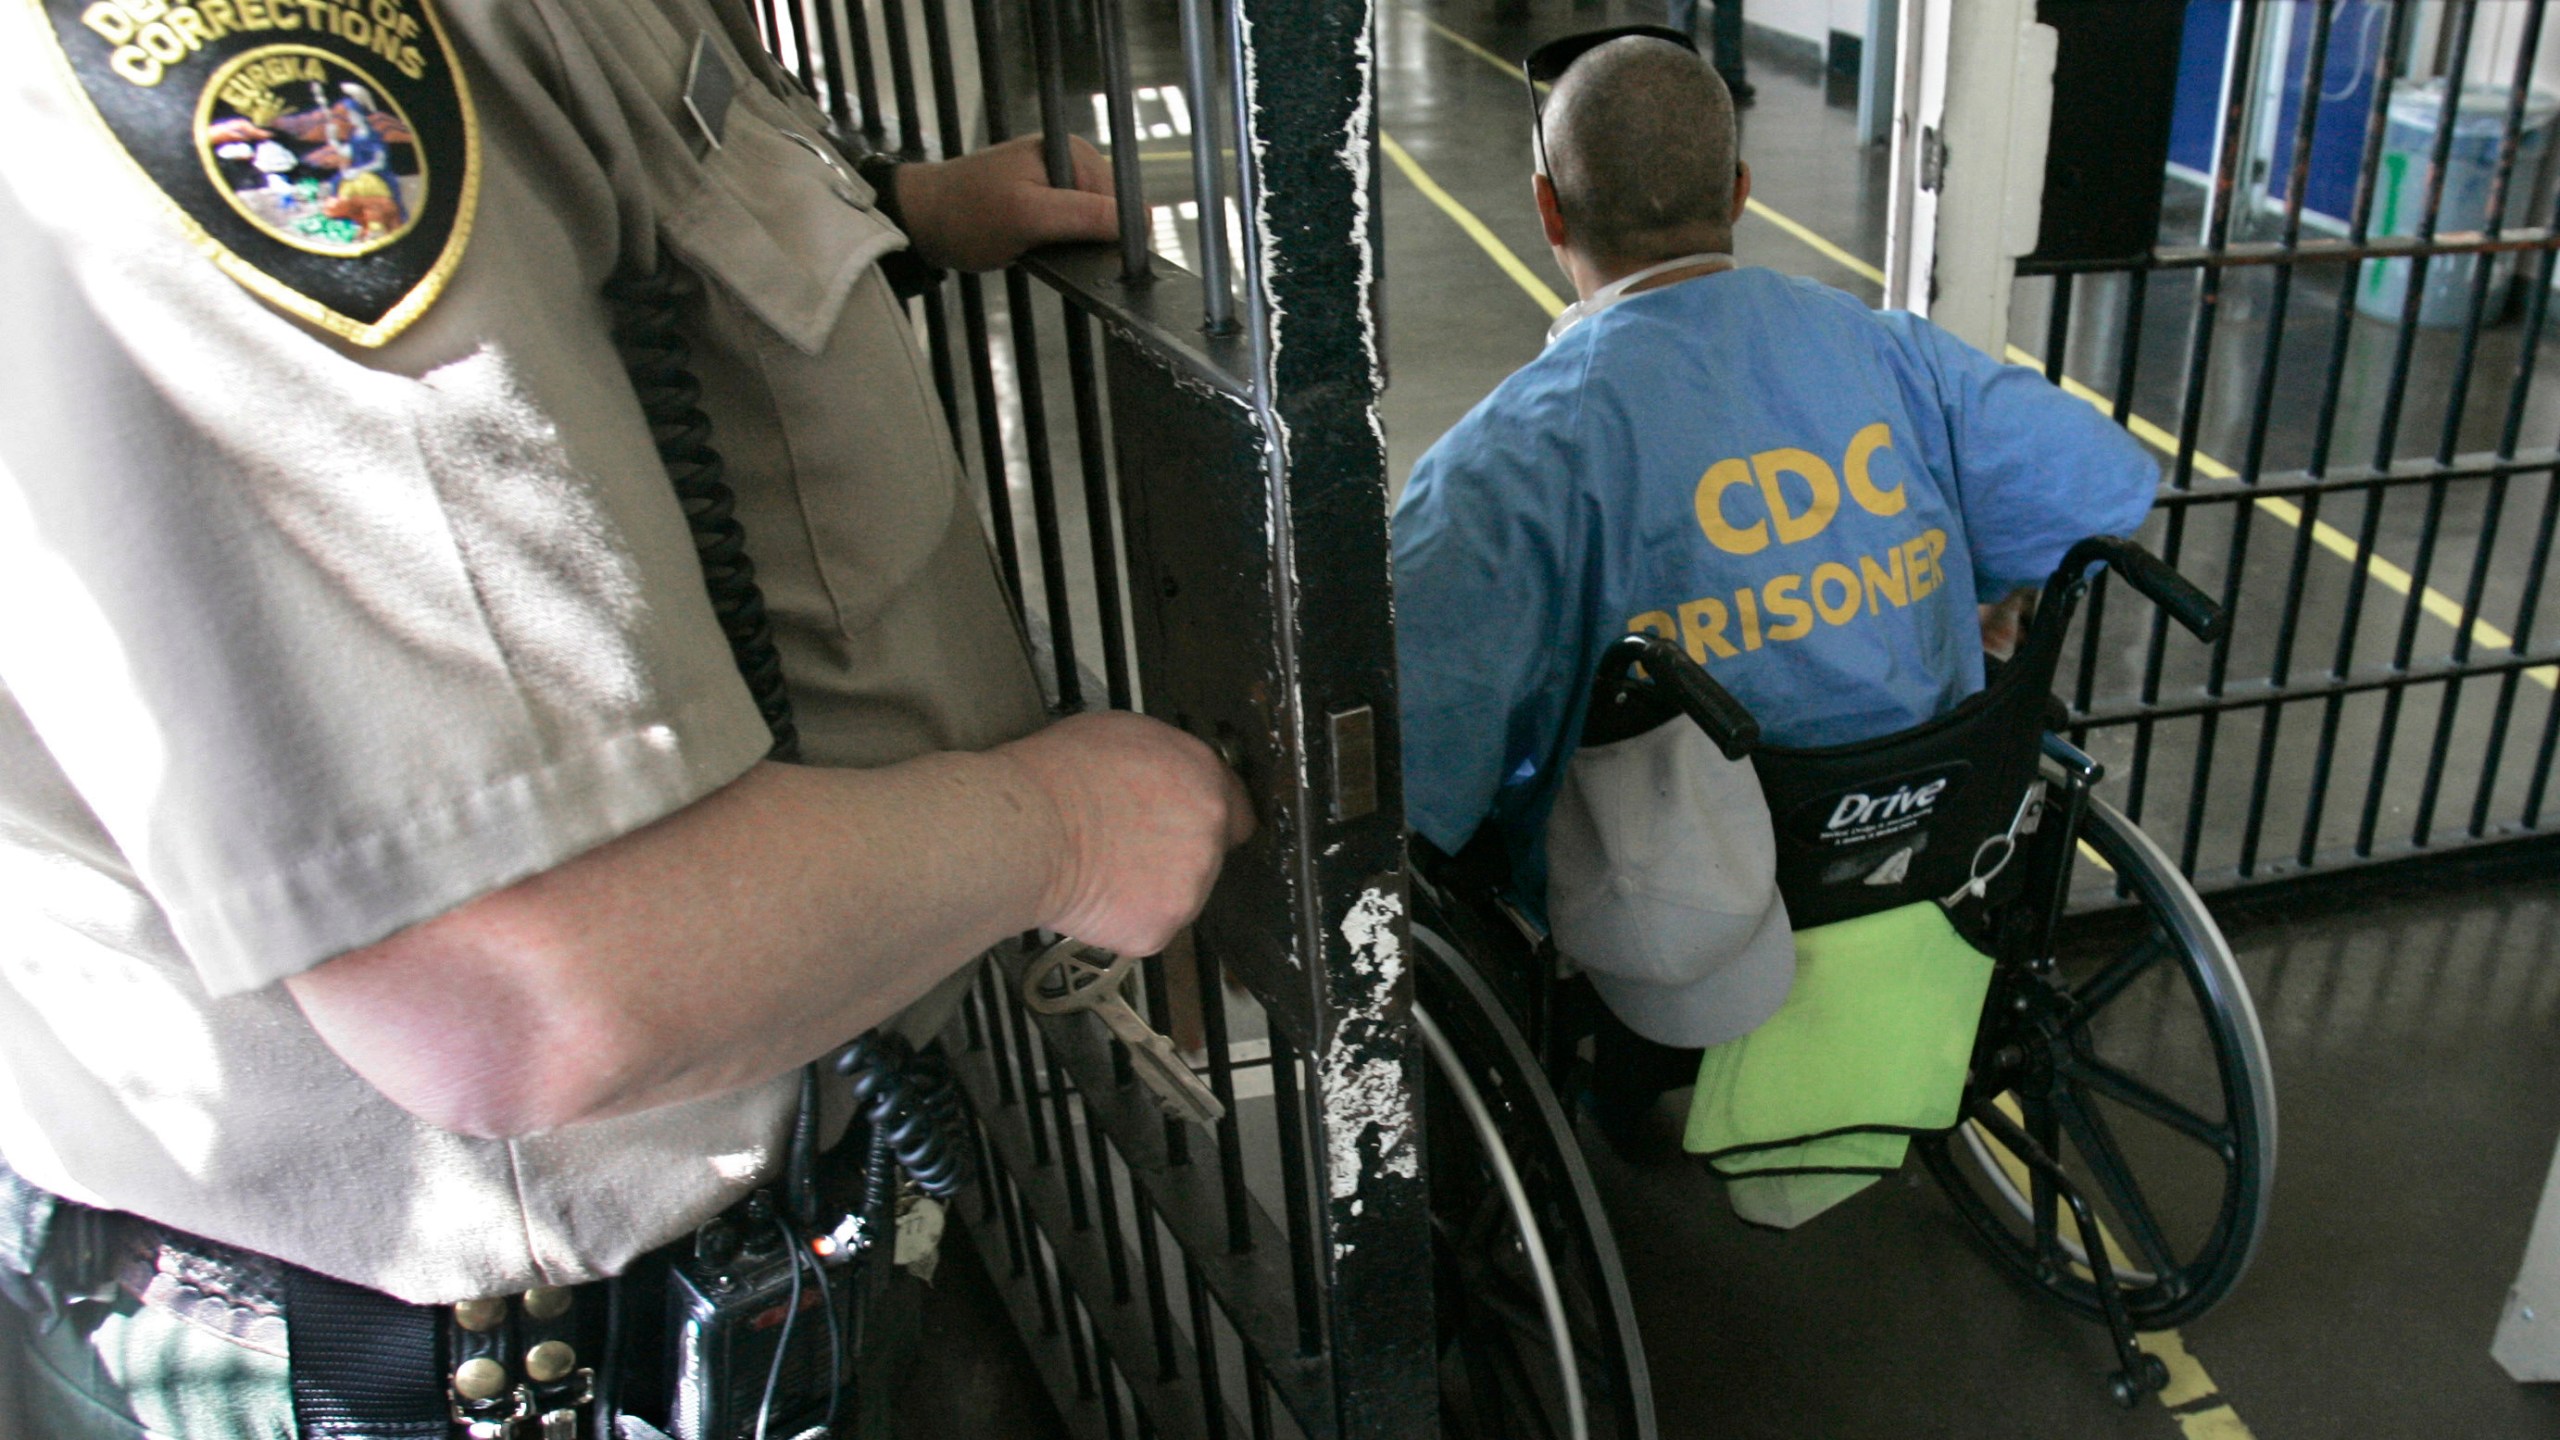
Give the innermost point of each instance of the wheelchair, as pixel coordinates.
(2118, 1086)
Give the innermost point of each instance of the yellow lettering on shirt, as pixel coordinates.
(1794, 525)
(1784, 607)
(1702, 630)
(1854, 469)
(1892, 585)
(1780, 598)
(1915, 553)
(1832, 572)
(1750, 539)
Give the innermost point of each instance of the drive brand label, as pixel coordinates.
(1863, 814)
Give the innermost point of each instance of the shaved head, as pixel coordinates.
(1640, 149)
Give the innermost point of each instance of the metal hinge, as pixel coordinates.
(1933, 158)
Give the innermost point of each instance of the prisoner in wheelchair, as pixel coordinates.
(1724, 502)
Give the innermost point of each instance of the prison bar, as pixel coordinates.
(2474, 754)
(1172, 1282)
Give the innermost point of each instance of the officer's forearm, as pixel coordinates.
(772, 921)
(716, 948)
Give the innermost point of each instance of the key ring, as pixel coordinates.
(2030, 805)
(1071, 976)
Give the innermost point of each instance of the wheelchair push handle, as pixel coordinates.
(2151, 575)
(1689, 685)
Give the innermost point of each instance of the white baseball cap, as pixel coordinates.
(1662, 885)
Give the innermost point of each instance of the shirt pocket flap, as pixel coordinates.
(783, 222)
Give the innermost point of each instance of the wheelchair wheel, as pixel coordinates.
(2140, 1068)
(1537, 1335)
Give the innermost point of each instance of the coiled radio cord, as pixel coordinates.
(658, 360)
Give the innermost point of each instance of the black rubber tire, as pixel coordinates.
(2037, 1048)
(1494, 1331)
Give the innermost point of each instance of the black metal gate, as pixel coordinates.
(1226, 570)
(2382, 525)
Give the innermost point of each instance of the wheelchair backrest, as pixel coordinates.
(1934, 812)
(1875, 824)
(1916, 815)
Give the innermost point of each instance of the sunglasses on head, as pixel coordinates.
(1547, 64)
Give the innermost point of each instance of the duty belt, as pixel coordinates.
(364, 1365)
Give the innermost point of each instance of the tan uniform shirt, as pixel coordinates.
(303, 643)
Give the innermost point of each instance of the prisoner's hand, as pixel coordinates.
(2004, 622)
(1145, 815)
(983, 210)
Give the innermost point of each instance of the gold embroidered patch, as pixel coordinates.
(323, 152)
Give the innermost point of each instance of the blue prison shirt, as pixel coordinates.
(1810, 495)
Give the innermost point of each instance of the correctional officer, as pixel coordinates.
(393, 881)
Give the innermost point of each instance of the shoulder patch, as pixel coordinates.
(322, 152)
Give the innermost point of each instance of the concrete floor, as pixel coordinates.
(2416, 1046)
(2418, 1072)
(2414, 1040)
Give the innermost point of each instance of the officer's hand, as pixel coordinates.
(1145, 815)
(983, 210)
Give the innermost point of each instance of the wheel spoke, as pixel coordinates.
(2038, 1123)
(1524, 1382)
(1491, 1210)
(2097, 1145)
(1512, 1315)
(2137, 1095)
(1485, 1398)
(2102, 988)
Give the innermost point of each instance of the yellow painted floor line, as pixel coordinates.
(1507, 67)
(2190, 1397)
(1814, 241)
(1502, 255)
(1810, 237)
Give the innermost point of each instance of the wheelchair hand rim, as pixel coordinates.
(1523, 1215)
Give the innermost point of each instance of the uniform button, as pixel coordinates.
(477, 1316)
(550, 1360)
(546, 1302)
(480, 1379)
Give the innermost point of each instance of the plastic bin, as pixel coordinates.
(2400, 195)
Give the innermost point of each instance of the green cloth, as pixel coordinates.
(1870, 1047)
(129, 1371)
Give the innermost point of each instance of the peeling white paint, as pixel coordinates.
(1265, 243)
(1356, 158)
(1361, 1095)
(1370, 929)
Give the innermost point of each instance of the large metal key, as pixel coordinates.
(1071, 976)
